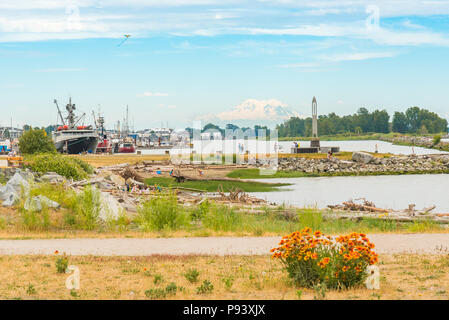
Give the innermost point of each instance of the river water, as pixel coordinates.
(390, 192)
(253, 146)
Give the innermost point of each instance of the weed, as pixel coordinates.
(74, 294)
(205, 288)
(31, 290)
(192, 275)
(158, 278)
(320, 290)
(62, 262)
(228, 282)
(376, 295)
(157, 293)
(172, 289)
(131, 271)
(299, 294)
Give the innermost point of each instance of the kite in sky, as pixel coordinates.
(124, 40)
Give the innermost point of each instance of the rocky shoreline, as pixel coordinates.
(420, 141)
(363, 163)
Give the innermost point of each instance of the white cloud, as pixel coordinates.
(38, 20)
(408, 24)
(153, 94)
(357, 56)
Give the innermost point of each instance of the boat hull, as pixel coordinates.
(79, 145)
(126, 150)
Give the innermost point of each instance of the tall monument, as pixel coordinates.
(315, 142)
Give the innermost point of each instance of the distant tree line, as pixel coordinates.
(414, 120)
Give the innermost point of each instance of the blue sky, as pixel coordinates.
(212, 60)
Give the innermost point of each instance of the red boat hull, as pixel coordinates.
(126, 150)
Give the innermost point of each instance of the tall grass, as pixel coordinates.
(221, 218)
(162, 213)
(80, 211)
(87, 208)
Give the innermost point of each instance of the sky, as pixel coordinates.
(220, 61)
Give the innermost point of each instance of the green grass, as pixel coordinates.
(212, 185)
(255, 174)
(166, 215)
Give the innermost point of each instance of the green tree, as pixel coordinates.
(6, 134)
(413, 118)
(36, 141)
(400, 122)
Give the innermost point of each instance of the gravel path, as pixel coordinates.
(385, 243)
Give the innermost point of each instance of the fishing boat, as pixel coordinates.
(127, 147)
(72, 138)
(104, 145)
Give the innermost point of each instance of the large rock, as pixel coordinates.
(53, 177)
(345, 164)
(36, 203)
(10, 193)
(362, 157)
(110, 207)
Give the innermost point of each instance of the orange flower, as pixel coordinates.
(56, 252)
(345, 268)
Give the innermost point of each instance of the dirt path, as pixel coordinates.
(385, 243)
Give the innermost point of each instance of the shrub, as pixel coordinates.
(161, 213)
(66, 166)
(192, 275)
(206, 287)
(84, 165)
(36, 141)
(312, 258)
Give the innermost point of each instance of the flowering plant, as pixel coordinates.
(312, 257)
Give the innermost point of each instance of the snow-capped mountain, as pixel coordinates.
(252, 111)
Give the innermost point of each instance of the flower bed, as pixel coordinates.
(312, 258)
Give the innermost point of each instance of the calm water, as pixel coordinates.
(391, 192)
(232, 146)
